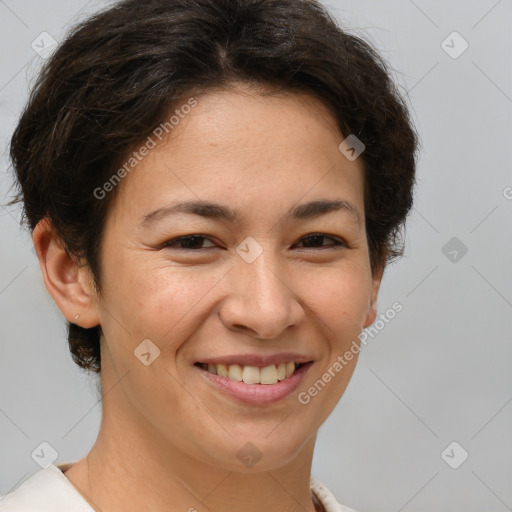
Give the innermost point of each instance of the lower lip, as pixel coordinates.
(257, 394)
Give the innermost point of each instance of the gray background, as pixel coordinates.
(439, 372)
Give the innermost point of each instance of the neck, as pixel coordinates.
(131, 467)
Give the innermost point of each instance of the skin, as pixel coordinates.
(168, 439)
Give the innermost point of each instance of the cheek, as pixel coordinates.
(340, 297)
(164, 304)
(340, 300)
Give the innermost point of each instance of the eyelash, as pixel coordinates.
(169, 244)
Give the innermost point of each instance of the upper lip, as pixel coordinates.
(261, 360)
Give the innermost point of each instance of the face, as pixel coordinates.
(260, 280)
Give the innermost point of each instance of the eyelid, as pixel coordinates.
(339, 242)
(176, 240)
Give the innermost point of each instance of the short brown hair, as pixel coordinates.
(118, 74)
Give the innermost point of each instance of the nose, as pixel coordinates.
(260, 301)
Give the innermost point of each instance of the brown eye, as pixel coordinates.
(315, 241)
(187, 243)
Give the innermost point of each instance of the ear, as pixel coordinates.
(372, 303)
(69, 284)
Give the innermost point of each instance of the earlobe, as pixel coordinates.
(66, 282)
(372, 306)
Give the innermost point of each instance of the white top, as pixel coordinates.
(49, 490)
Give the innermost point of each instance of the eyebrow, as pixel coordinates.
(217, 211)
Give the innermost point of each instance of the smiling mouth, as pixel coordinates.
(271, 374)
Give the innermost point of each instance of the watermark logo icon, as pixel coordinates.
(454, 455)
(454, 249)
(249, 249)
(454, 45)
(44, 454)
(249, 454)
(351, 147)
(44, 44)
(146, 352)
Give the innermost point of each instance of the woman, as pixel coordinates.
(214, 189)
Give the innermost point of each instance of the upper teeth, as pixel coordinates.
(252, 374)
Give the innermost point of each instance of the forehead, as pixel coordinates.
(250, 150)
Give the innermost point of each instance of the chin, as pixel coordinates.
(260, 452)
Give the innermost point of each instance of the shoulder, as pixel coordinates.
(326, 497)
(47, 490)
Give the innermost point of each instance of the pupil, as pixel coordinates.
(193, 242)
(314, 238)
